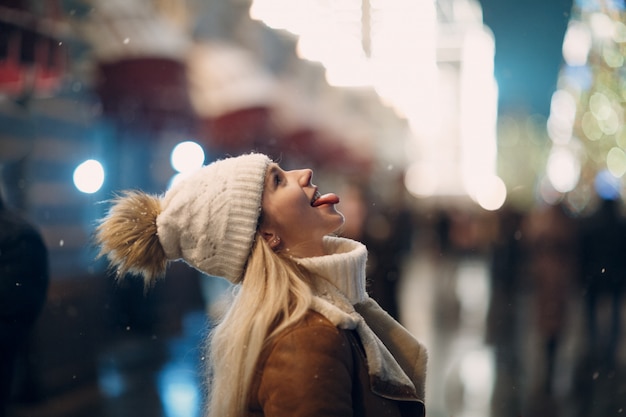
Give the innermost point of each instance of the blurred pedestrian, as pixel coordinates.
(503, 320)
(603, 264)
(551, 239)
(388, 234)
(24, 280)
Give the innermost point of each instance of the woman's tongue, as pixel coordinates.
(326, 199)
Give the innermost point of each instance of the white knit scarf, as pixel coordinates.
(346, 261)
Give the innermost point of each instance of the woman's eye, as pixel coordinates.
(277, 179)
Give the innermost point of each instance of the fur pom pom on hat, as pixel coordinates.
(207, 219)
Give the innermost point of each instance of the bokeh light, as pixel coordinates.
(607, 185)
(616, 162)
(563, 169)
(601, 25)
(89, 176)
(562, 116)
(620, 137)
(491, 193)
(576, 44)
(612, 56)
(187, 156)
(590, 127)
(619, 32)
(179, 391)
(421, 180)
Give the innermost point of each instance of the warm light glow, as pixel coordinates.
(606, 117)
(563, 169)
(421, 180)
(619, 32)
(612, 56)
(392, 47)
(577, 44)
(478, 108)
(403, 55)
(562, 115)
(89, 176)
(403, 72)
(491, 193)
(602, 25)
(329, 33)
(346, 64)
(600, 106)
(590, 126)
(616, 162)
(281, 14)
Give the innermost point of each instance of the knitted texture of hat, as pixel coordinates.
(209, 218)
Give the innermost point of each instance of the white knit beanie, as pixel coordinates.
(209, 218)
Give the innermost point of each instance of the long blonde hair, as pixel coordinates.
(275, 294)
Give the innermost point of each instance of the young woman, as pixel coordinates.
(301, 336)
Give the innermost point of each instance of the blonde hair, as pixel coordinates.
(128, 237)
(274, 295)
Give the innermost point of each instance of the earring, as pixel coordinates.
(275, 242)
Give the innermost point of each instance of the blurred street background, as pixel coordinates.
(478, 148)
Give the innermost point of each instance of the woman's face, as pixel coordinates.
(296, 213)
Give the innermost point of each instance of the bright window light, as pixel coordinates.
(282, 14)
(478, 99)
(89, 176)
(187, 156)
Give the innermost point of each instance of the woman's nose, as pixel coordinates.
(304, 177)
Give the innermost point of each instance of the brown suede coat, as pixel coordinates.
(318, 370)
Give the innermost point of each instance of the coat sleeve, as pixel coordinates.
(410, 354)
(308, 373)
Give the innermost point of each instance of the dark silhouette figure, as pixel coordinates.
(23, 287)
(503, 313)
(389, 233)
(598, 380)
(552, 238)
(603, 265)
(388, 239)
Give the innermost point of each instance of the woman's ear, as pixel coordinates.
(271, 238)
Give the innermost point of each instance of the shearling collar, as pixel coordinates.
(348, 257)
(345, 257)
